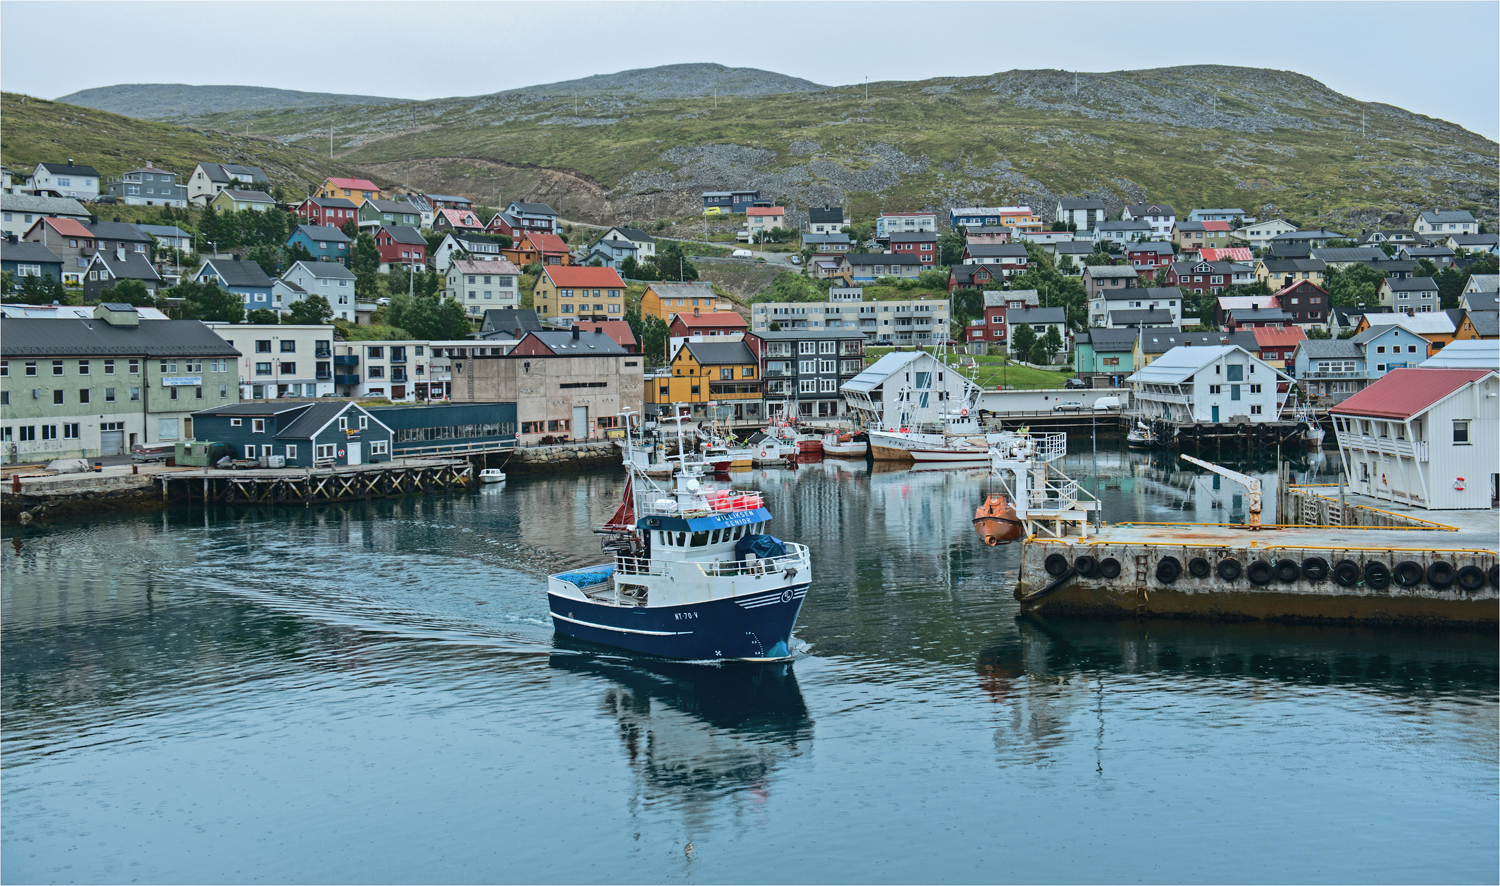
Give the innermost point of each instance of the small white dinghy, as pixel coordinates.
(492, 475)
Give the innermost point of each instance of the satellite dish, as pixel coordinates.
(691, 485)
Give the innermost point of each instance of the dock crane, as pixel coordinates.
(1252, 522)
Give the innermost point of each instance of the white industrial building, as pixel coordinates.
(1209, 384)
(1426, 438)
(281, 360)
(904, 388)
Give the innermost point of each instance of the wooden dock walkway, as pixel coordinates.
(308, 486)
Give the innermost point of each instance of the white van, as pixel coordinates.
(1107, 403)
(742, 253)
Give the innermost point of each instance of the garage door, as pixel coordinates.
(111, 442)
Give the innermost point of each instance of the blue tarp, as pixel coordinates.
(763, 546)
(585, 577)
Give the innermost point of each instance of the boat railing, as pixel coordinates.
(640, 566)
(795, 558)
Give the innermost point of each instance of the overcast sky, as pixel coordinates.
(1434, 58)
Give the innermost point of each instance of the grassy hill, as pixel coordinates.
(1270, 142)
(36, 130)
(174, 101)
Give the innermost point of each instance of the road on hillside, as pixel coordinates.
(776, 258)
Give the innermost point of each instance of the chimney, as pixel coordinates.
(696, 313)
(575, 332)
(70, 161)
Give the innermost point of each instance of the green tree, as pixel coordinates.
(1352, 285)
(1425, 268)
(209, 226)
(351, 228)
(651, 333)
(968, 305)
(1450, 283)
(130, 292)
(43, 290)
(672, 264)
(206, 301)
(450, 320)
(1038, 354)
(7, 282)
(312, 310)
(364, 263)
(951, 246)
(264, 316)
(1318, 332)
(1022, 340)
(1051, 343)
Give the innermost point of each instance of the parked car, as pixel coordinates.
(1074, 384)
(713, 210)
(382, 301)
(742, 253)
(796, 259)
(1070, 406)
(106, 198)
(1107, 403)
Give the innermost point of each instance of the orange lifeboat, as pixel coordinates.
(996, 521)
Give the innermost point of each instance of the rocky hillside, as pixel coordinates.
(178, 101)
(673, 81)
(643, 144)
(38, 131)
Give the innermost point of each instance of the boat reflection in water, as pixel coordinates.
(700, 731)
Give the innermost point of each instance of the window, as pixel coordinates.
(327, 451)
(263, 346)
(343, 423)
(288, 368)
(57, 367)
(31, 367)
(28, 433)
(135, 393)
(70, 431)
(291, 451)
(83, 367)
(1461, 431)
(109, 367)
(135, 366)
(379, 447)
(57, 397)
(364, 422)
(223, 392)
(235, 422)
(250, 450)
(83, 395)
(262, 369)
(1255, 389)
(288, 347)
(747, 372)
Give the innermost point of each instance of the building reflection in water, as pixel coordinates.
(1051, 682)
(694, 733)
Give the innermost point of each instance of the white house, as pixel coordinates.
(764, 218)
(481, 285)
(1229, 215)
(825, 220)
(1081, 212)
(1160, 216)
(1258, 235)
(1122, 232)
(645, 244)
(1040, 320)
(905, 388)
(65, 180)
(23, 210)
(477, 246)
(888, 223)
(1412, 295)
(1425, 438)
(1212, 384)
(208, 179)
(329, 279)
(1122, 308)
(397, 370)
(1436, 225)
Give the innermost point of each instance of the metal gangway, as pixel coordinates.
(1049, 502)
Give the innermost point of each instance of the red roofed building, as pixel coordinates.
(575, 293)
(710, 323)
(355, 190)
(764, 218)
(550, 247)
(1230, 253)
(456, 220)
(1426, 438)
(618, 330)
(1278, 345)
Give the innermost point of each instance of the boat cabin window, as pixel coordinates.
(700, 539)
(714, 539)
(682, 539)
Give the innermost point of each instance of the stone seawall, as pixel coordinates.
(66, 498)
(564, 457)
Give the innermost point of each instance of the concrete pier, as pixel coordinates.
(1400, 568)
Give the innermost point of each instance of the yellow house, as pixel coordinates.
(1478, 324)
(1020, 217)
(570, 292)
(666, 300)
(723, 373)
(1279, 273)
(355, 190)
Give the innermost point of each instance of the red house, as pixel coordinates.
(618, 330)
(456, 220)
(400, 245)
(330, 212)
(1200, 277)
(922, 244)
(975, 277)
(712, 323)
(1147, 257)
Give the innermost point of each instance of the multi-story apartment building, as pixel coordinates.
(483, 285)
(909, 321)
(805, 368)
(84, 388)
(283, 360)
(888, 223)
(395, 370)
(149, 186)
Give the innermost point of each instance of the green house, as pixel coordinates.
(374, 213)
(1108, 352)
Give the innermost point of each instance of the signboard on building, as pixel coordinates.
(180, 381)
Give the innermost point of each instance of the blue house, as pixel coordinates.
(30, 260)
(316, 434)
(325, 244)
(974, 216)
(612, 253)
(735, 202)
(449, 429)
(243, 278)
(1336, 369)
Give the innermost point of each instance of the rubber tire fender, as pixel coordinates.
(1087, 566)
(1408, 573)
(1260, 572)
(1470, 578)
(1109, 567)
(1168, 569)
(1055, 564)
(1229, 569)
(1287, 571)
(1440, 574)
(1199, 568)
(1495, 576)
(1315, 569)
(1377, 575)
(1346, 573)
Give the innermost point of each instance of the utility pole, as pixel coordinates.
(330, 142)
(867, 87)
(1075, 84)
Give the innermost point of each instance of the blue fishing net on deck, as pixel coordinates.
(763, 546)
(585, 577)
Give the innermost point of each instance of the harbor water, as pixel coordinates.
(373, 693)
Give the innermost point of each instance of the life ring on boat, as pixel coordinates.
(1458, 484)
(965, 414)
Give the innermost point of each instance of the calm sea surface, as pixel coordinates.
(374, 694)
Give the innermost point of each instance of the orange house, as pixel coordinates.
(355, 190)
